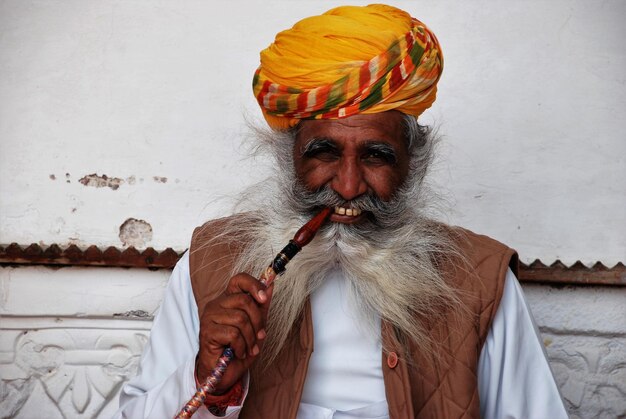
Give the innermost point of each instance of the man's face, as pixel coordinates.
(354, 156)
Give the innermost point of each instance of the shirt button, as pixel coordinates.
(392, 359)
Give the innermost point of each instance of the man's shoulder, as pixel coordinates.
(478, 249)
(477, 239)
(214, 247)
(217, 240)
(211, 229)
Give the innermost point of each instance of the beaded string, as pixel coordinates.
(300, 239)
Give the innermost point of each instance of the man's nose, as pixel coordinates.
(348, 180)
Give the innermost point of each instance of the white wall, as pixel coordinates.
(530, 107)
(153, 95)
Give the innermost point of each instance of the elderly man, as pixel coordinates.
(387, 313)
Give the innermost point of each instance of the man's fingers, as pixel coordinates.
(231, 325)
(236, 319)
(265, 307)
(245, 283)
(245, 304)
(231, 336)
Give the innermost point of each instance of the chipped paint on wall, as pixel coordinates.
(135, 233)
(104, 181)
(141, 314)
(101, 181)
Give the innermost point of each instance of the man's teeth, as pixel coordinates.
(353, 212)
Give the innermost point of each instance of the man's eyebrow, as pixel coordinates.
(381, 147)
(318, 144)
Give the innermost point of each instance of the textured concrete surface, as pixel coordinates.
(584, 331)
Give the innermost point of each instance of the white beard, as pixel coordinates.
(393, 262)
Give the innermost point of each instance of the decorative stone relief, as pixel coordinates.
(591, 373)
(77, 372)
(67, 373)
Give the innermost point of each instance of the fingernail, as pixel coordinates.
(255, 350)
(261, 334)
(262, 295)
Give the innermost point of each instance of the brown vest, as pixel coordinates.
(442, 384)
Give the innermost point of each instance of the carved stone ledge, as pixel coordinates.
(75, 372)
(54, 255)
(576, 274)
(536, 272)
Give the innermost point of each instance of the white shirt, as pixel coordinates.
(345, 369)
(514, 377)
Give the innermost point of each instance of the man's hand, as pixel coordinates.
(236, 319)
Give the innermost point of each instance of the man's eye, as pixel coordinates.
(380, 157)
(322, 153)
(326, 156)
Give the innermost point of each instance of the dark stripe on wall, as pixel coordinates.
(54, 255)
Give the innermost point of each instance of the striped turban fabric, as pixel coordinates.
(349, 60)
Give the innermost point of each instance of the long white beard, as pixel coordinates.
(395, 276)
(394, 262)
(393, 267)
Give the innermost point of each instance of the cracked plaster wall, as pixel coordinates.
(114, 131)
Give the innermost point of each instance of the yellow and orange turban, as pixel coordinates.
(347, 61)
